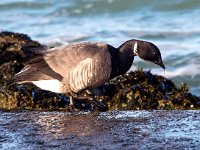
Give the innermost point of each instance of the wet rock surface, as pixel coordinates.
(178, 129)
(133, 91)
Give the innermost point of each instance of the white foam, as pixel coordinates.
(126, 114)
(188, 70)
(50, 85)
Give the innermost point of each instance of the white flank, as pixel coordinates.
(50, 85)
(135, 48)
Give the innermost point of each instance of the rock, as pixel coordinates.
(140, 90)
(15, 48)
(133, 91)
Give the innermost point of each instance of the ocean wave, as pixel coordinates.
(74, 7)
(191, 70)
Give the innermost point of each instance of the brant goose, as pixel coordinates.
(76, 67)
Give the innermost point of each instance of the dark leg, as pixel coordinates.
(71, 104)
(99, 105)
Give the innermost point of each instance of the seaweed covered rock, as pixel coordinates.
(143, 90)
(133, 91)
(29, 97)
(15, 48)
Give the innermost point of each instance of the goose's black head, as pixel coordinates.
(148, 52)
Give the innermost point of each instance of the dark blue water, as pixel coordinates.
(174, 26)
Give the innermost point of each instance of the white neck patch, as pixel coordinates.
(135, 48)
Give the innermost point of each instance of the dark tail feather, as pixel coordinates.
(28, 75)
(17, 79)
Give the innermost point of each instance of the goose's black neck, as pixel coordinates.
(122, 58)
